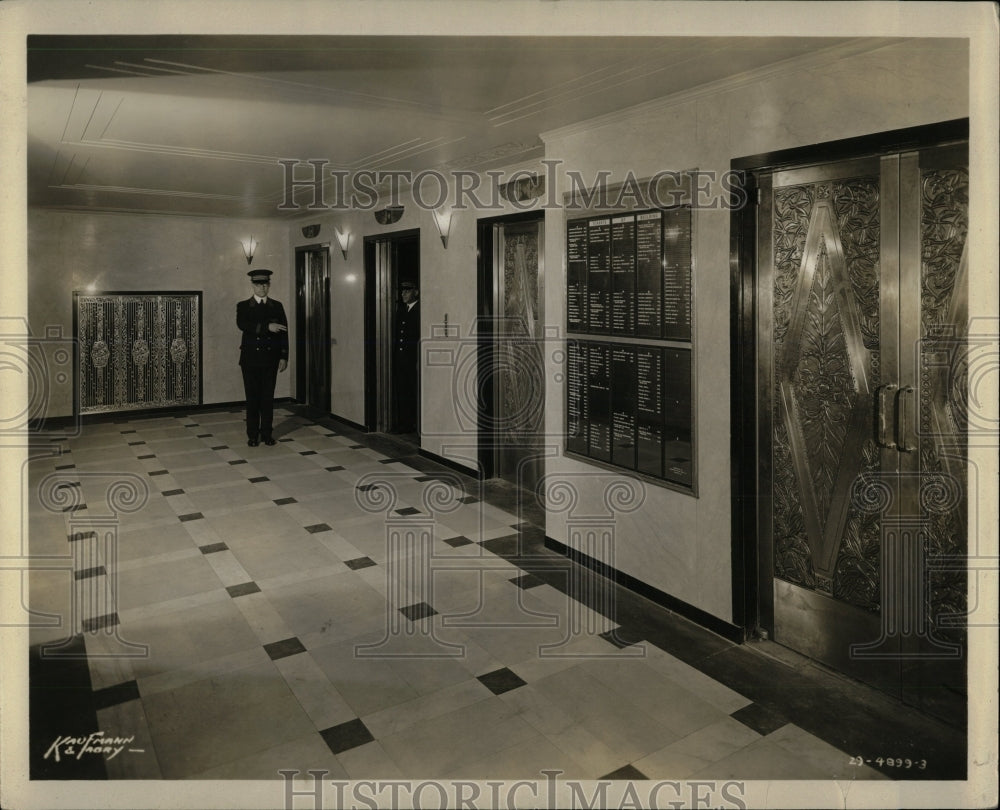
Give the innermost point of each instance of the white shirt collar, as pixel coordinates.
(259, 300)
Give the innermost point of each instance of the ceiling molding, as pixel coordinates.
(809, 61)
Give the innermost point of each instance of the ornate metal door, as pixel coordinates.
(862, 305)
(137, 350)
(519, 375)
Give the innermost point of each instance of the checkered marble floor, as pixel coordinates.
(318, 605)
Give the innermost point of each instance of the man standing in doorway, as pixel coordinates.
(405, 356)
(263, 353)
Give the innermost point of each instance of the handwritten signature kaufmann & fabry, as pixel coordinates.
(94, 743)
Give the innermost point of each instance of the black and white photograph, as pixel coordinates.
(499, 404)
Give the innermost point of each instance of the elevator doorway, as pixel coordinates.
(312, 326)
(861, 309)
(392, 333)
(511, 368)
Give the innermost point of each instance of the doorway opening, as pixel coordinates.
(312, 326)
(849, 305)
(510, 327)
(392, 333)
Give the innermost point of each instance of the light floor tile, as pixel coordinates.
(413, 712)
(369, 761)
(138, 758)
(303, 754)
(762, 760)
(834, 762)
(317, 696)
(210, 722)
(698, 750)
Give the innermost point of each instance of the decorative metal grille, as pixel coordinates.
(138, 350)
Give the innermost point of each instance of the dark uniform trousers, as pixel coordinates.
(260, 352)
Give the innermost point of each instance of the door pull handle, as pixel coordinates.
(882, 417)
(904, 399)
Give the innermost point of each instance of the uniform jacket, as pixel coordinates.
(407, 329)
(259, 345)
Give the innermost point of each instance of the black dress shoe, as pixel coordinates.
(252, 442)
(270, 441)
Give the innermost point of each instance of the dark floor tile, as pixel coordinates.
(158, 472)
(204, 436)
(457, 542)
(621, 637)
(469, 499)
(238, 461)
(114, 695)
(356, 447)
(526, 581)
(367, 487)
(418, 611)
(284, 501)
(329, 435)
(212, 548)
(191, 424)
(169, 492)
(335, 468)
(501, 680)
(65, 466)
(345, 736)
(408, 510)
(259, 479)
(761, 720)
(242, 589)
(75, 507)
(148, 455)
(88, 573)
(284, 648)
(60, 704)
(286, 439)
(390, 460)
(360, 562)
(628, 773)
(192, 516)
(307, 453)
(220, 447)
(318, 527)
(81, 536)
(130, 430)
(135, 444)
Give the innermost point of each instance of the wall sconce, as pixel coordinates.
(310, 231)
(443, 221)
(249, 246)
(389, 215)
(344, 240)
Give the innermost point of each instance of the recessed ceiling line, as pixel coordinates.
(112, 117)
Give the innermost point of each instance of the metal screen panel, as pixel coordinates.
(138, 351)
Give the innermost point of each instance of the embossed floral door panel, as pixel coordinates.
(860, 281)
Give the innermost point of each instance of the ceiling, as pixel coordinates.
(196, 125)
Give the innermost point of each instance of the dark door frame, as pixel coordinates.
(485, 310)
(751, 612)
(301, 393)
(371, 347)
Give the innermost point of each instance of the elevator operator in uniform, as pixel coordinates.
(263, 353)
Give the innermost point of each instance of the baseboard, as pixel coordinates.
(62, 423)
(718, 626)
(351, 424)
(447, 462)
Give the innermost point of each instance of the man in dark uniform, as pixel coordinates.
(263, 353)
(406, 341)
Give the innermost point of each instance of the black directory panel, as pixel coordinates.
(628, 377)
(677, 447)
(576, 276)
(648, 274)
(677, 274)
(623, 275)
(576, 397)
(649, 410)
(599, 275)
(599, 401)
(623, 406)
